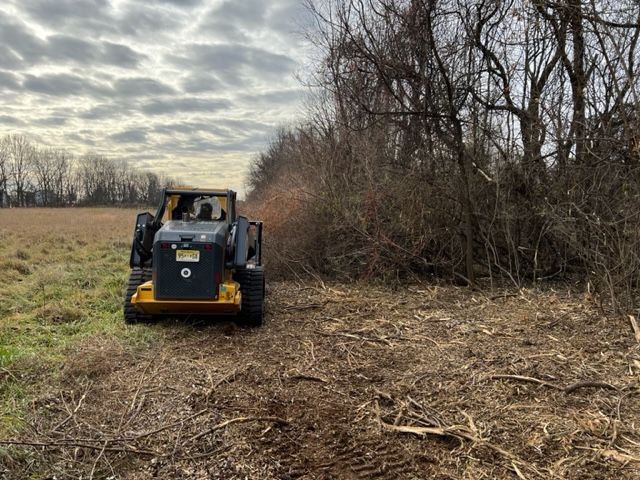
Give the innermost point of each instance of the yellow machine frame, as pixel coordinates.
(229, 296)
(229, 301)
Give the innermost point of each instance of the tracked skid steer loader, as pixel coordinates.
(196, 256)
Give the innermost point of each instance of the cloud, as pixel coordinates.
(177, 3)
(234, 63)
(189, 128)
(188, 104)
(102, 18)
(250, 13)
(290, 18)
(235, 21)
(63, 85)
(104, 111)
(246, 126)
(52, 121)
(52, 12)
(10, 120)
(81, 138)
(19, 41)
(121, 55)
(66, 15)
(20, 46)
(9, 81)
(275, 97)
(226, 32)
(142, 19)
(201, 82)
(9, 58)
(233, 18)
(204, 144)
(135, 135)
(141, 87)
(64, 47)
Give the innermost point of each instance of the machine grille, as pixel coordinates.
(172, 282)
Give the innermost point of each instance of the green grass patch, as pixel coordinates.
(55, 297)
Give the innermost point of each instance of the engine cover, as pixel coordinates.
(188, 260)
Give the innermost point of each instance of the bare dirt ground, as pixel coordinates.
(351, 382)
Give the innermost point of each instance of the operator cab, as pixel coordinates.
(205, 208)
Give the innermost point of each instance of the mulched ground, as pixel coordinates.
(352, 382)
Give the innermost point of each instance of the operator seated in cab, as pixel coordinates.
(206, 210)
(209, 209)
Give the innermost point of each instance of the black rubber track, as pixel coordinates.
(137, 277)
(251, 282)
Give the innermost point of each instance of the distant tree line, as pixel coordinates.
(31, 176)
(493, 140)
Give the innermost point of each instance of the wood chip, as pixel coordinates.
(636, 328)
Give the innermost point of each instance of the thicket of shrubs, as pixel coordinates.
(492, 141)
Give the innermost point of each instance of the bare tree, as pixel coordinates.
(21, 159)
(4, 172)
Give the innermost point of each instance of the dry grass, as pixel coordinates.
(85, 224)
(356, 382)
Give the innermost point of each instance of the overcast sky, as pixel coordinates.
(191, 87)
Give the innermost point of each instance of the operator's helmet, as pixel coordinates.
(205, 211)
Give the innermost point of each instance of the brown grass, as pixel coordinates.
(100, 356)
(357, 382)
(19, 266)
(81, 224)
(58, 312)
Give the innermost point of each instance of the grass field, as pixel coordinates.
(62, 275)
(357, 381)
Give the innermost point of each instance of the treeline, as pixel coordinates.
(472, 140)
(46, 177)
